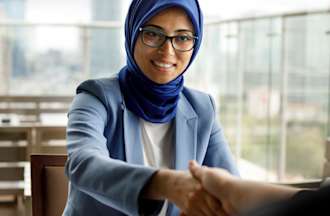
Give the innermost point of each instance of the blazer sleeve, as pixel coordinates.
(89, 167)
(218, 153)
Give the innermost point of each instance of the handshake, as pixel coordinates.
(205, 191)
(206, 198)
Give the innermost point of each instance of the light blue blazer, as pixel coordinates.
(105, 154)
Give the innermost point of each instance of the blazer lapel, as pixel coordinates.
(186, 123)
(132, 138)
(185, 145)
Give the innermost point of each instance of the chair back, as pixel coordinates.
(50, 140)
(49, 184)
(13, 161)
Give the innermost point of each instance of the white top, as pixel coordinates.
(157, 147)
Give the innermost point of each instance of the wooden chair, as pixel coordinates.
(50, 140)
(49, 184)
(13, 161)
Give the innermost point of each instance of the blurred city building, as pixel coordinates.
(106, 45)
(16, 60)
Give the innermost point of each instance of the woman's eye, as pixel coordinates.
(152, 34)
(183, 38)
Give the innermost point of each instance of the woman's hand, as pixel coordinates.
(218, 183)
(188, 194)
(184, 191)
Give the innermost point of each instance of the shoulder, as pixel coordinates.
(200, 101)
(98, 87)
(107, 90)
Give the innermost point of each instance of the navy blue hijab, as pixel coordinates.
(149, 100)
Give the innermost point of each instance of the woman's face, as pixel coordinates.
(164, 64)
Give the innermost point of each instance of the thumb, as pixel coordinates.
(195, 170)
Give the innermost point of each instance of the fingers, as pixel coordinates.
(195, 170)
(196, 205)
(202, 203)
(213, 204)
(222, 212)
(183, 186)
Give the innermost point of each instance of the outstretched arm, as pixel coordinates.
(237, 195)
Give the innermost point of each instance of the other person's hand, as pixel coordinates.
(237, 195)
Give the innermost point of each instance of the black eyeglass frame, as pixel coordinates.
(141, 29)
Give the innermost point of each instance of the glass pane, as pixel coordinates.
(39, 63)
(261, 45)
(240, 64)
(107, 52)
(307, 64)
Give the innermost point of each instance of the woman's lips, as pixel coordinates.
(163, 66)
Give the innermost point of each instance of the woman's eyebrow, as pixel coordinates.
(185, 30)
(162, 29)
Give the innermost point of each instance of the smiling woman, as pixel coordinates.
(156, 56)
(131, 136)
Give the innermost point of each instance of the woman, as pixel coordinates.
(124, 133)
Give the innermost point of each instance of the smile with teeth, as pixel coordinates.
(163, 64)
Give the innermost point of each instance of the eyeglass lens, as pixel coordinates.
(183, 41)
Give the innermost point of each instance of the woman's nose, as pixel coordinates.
(167, 48)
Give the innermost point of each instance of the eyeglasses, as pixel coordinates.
(183, 41)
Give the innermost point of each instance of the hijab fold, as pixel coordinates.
(151, 101)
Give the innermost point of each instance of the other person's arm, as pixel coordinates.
(237, 195)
